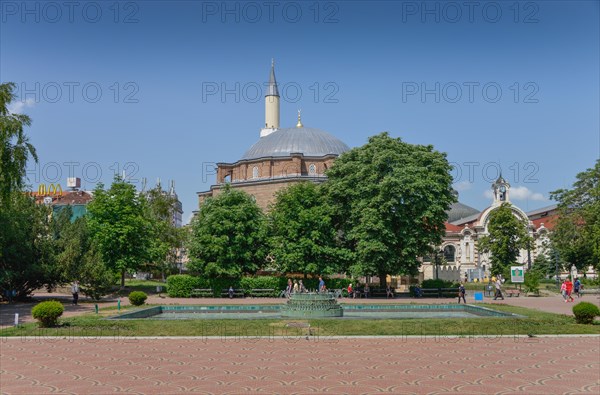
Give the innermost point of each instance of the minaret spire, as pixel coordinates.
(299, 124)
(271, 104)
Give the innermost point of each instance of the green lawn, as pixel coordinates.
(534, 323)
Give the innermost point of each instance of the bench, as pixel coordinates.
(439, 292)
(511, 292)
(236, 293)
(379, 293)
(266, 292)
(202, 292)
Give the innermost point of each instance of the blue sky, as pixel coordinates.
(166, 89)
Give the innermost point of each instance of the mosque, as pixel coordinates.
(284, 156)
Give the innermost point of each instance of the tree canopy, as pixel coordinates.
(228, 236)
(507, 235)
(577, 232)
(15, 147)
(166, 239)
(390, 202)
(302, 238)
(120, 227)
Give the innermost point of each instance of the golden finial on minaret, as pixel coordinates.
(299, 124)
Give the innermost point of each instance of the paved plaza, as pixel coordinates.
(295, 365)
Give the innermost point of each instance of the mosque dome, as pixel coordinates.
(458, 211)
(303, 140)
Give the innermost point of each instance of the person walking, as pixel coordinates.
(498, 285)
(296, 287)
(75, 292)
(569, 286)
(563, 290)
(321, 284)
(577, 287)
(461, 293)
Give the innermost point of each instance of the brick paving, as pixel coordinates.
(297, 365)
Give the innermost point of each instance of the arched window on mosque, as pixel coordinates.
(312, 169)
(449, 253)
(255, 172)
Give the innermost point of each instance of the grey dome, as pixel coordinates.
(459, 210)
(285, 141)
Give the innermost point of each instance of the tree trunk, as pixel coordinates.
(123, 279)
(382, 277)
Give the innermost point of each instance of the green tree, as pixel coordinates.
(119, 227)
(302, 238)
(26, 246)
(78, 257)
(228, 236)
(15, 148)
(166, 240)
(577, 232)
(507, 235)
(390, 200)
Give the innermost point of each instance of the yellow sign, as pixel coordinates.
(52, 189)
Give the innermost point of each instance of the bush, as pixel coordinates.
(181, 285)
(585, 312)
(532, 282)
(47, 313)
(439, 283)
(137, 298)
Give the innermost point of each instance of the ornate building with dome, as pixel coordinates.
(280, 157)
(283, 156)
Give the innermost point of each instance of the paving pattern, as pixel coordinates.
(300, 365)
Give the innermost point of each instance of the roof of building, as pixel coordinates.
(459, 211)
(303, 140)
(65, 198)
(542, 210)
(452, 228)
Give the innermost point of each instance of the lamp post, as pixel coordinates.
(556, 268)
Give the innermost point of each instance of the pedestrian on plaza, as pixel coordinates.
(367, 290)
(230, 292)
(350, 290)
(569, 286)
(75, 292)
(498, 285)
(296, 287)
(577, 287)
(461, 293)
(563, 289)
(321, 284)
(289, 288)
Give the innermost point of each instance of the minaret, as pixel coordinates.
(271, 105)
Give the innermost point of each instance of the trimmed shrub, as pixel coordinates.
(181, 285)
(439, 283)
(47, 313)
(585, 312)
(137, 298)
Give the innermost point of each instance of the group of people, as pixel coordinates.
(294, 288)
(567, 288)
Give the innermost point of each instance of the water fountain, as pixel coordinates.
(312, 305)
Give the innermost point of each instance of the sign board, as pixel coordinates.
(516, 274)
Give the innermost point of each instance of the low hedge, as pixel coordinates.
(585, 312)
(181, 285)
(137, 298)
(47, 313)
